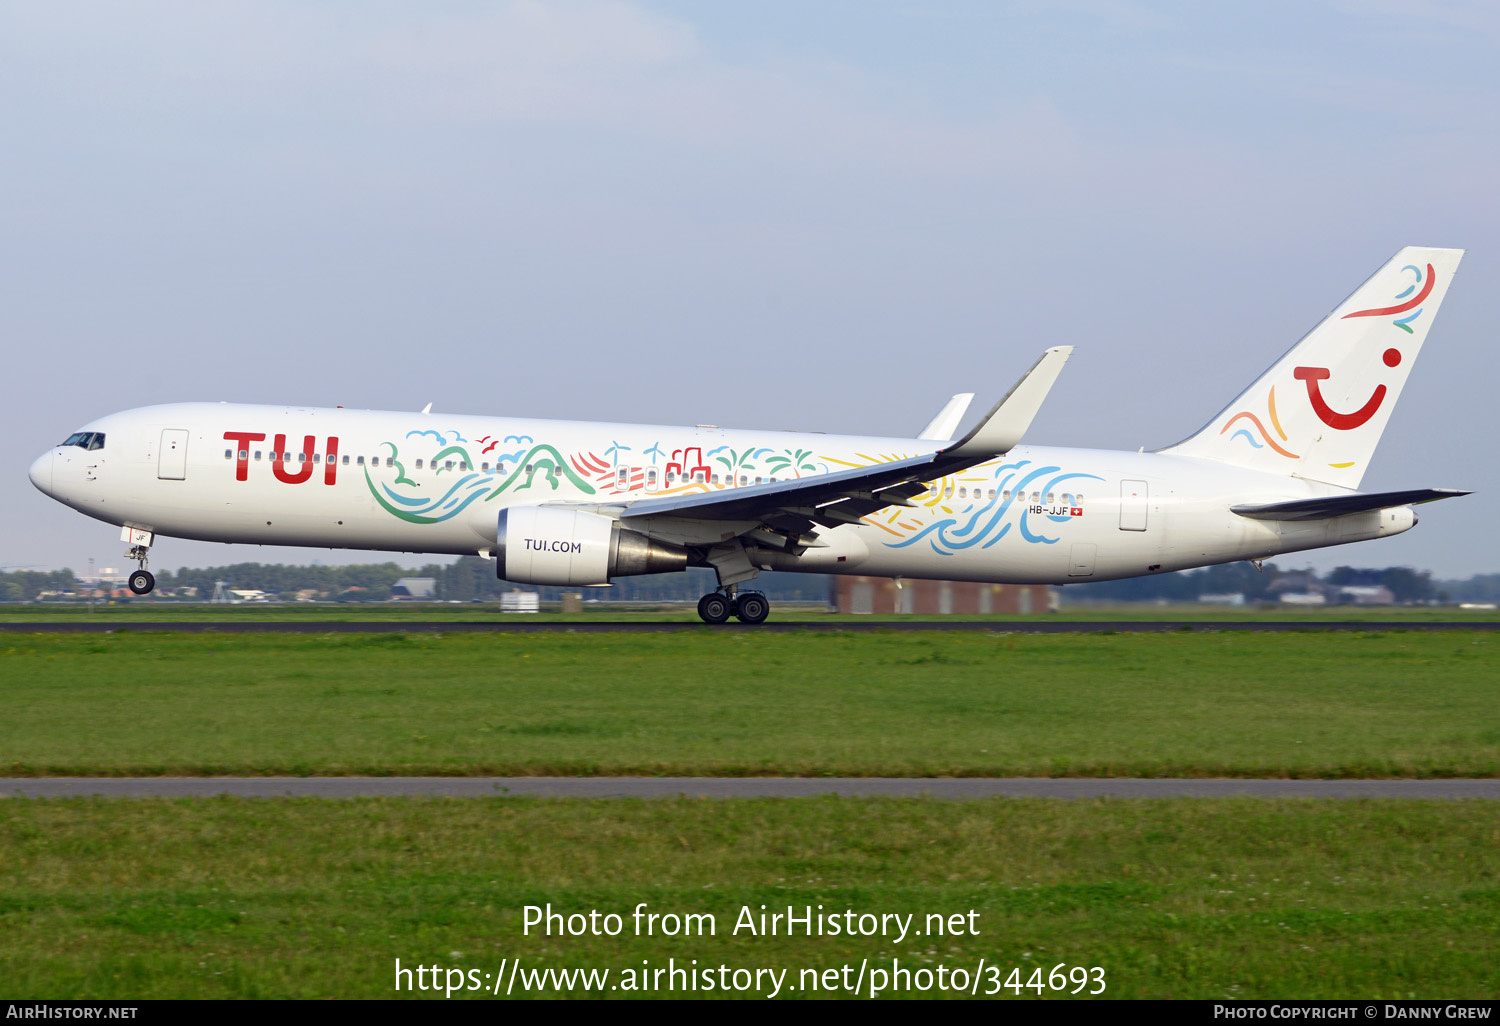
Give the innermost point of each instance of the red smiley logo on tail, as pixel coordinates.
(1327, 414)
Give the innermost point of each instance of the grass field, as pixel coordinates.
(1176, 898)
(1220, 704)
(1181, 898)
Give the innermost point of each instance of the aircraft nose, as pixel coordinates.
(41, 472)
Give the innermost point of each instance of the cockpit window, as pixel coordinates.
(86, 439)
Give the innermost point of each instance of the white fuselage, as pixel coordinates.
(406, 482)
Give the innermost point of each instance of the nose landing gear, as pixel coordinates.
(142, 582)
(747, 607)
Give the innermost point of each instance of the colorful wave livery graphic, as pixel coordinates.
(983, 525)
(474, 486)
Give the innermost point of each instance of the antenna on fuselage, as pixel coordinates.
(427, 408)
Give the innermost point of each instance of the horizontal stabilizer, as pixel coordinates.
(1008, 422)
(1341, 505)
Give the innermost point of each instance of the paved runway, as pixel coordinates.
(1038, 626)
(733, 787)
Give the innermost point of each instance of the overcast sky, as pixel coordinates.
(813, 215)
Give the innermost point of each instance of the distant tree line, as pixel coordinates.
(469, 578)
(1266, 585)
(473, 578)
(26, 585)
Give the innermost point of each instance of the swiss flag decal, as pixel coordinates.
(1075, 511)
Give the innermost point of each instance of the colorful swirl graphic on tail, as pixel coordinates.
(1404, 323)
(1255, 421)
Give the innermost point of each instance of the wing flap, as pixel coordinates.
(1342, 505)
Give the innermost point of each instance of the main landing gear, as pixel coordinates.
(748, 606)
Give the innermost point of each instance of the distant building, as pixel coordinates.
(1303, 598)
(518, 601)
(414, 588)
(1367, 595)
(883, 595)
(1236, 598)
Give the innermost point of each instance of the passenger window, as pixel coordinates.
(992, 493)
(390, 461)
(317, 457)
(963, 493)
(485, 466)
(359, 462)
(346, 460)
(228, 454)
(448, 465)
(244, 455)
(651, 476)
(1078, 500)
(419, 464)
(257, 454)
(744, 480)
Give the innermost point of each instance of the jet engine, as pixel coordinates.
(547, 545)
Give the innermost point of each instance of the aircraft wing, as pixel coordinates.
(1340, 505)
(843, 497)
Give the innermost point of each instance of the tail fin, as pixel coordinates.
(1318, 413)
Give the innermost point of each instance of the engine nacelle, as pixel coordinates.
(545, 545)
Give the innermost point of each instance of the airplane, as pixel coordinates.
(577, 504)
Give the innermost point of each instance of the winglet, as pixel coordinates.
(1003, 429)
(945, 424)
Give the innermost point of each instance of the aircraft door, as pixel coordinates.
(171, 465)
(1133, 498)
(1081, 559)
